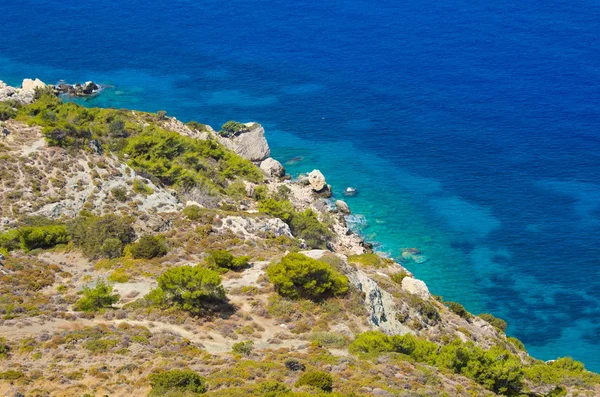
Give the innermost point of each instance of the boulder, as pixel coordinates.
(272, 168)
(317, 180)
(250, 144)
(89, 88)
(416, 287)
(342, 207)
(31, 85)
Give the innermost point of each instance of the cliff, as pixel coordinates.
(101, 211)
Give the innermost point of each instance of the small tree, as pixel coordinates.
(191, 287)
(149, 247)
(177, 381)
(298, 276)
(243, 348)
(232, 128)
(97, 298)
(495, 321)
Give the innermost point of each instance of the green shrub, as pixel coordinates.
(283, 210)
(4, 348)
(119, 193)
(11, 375)
(458, 309)
(179, 381)
(141, 187)
(10, 240)
(517, 343)
(197, 126)
(371, 260)
(191, 288)
(97, 298)
(90, 233)
(33, 237)
(232, 128)
(317, 379)
(149, 247)
(111, 248)
(298, 276)
(398, 277)
(243, 348)
(569, 364)
(328, 339)
(495, 321)
(272, 389)
(6, 112)
(306, 226)
(225, 260)
(118, 276)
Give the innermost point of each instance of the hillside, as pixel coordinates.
(145, 256)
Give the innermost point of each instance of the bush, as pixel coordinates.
(191, 288)
(371, 260)
(272, 389)
(33, 237)
(283, 210)
(119, 193)
(11, 375)
(458, 309)
(179, 381)
(243, 348)
(10, 240)
(306, 226)
(495, 321)
(298, 276)
(149, 247)
(97, 298)
(318, 379)
(4, 348)
(517, 343)
(141, 188)
(225, 260)
(111, 248)
(398, 277)
(6, 112)
(232, 128)
(90, 233)
(294, 365)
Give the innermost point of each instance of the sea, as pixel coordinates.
(471, 130)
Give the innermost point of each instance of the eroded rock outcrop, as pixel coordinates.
(250, 144)
(23, 95)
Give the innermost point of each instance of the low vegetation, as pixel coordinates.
(177, 382)
(97, 298)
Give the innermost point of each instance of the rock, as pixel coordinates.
(317, 180)
(89, 88)
(416, 287)
(249, 227)
(342, 329)
(31, 85)
(190, 203)
(272, 168)
(250, 144)
(342, 207)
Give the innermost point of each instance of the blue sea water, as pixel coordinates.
(471, 129)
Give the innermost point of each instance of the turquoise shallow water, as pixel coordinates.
(470, 130)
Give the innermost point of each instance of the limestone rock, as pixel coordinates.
(342, 207)
(272, 168)
(416, 287)
(249, 227)
(317, 180)
(251, 144)
(31, 85)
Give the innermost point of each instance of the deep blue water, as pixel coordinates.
(472, 131)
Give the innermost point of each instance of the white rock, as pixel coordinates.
(416, 287)
(190, 203)
(31, 85)
(342, 207)
(251, 145)
(272, 168)
(317, 180)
